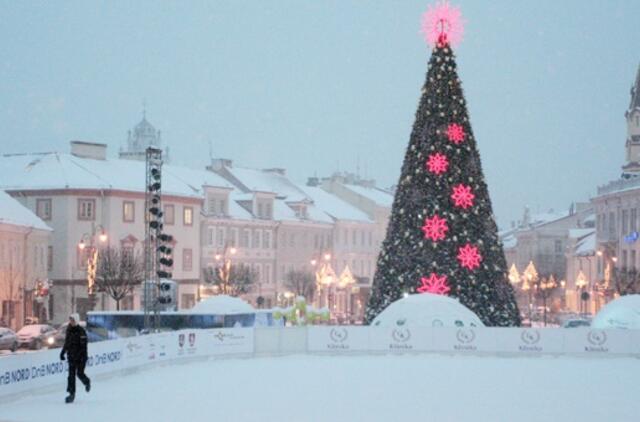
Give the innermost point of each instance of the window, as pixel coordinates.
(187, 260)
(362, 238)
(187, 216)
(354, 237)
(212, 206)
(220, 236)
(258, 269)
(632, 260)
(233, 237)
(260, 211)
(612, 225)
(128, 211)
(244, 238)
(211, 236)
(634, 219)
(346, 236)
(49, 258)
(43, 208)
(558, 246)
(268, 211)
(82, 257)
(267, 272)
(256, 238)
(266, 240)
(169, 215)
(370, 239)
(625, 222)
(637, 120)
(86, 209)
(624, 259)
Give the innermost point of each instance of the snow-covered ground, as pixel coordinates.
(355, 388)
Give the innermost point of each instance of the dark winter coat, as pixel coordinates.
(75, 344)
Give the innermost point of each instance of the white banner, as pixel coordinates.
(464, 340)
(226, 341)
(529, 340)
(338, 339)
(597, 342)
(400, 339)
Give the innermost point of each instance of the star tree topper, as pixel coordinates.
(442, 24)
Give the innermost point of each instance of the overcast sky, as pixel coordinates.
(317, 86)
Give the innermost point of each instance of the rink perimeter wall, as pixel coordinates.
(42, 371)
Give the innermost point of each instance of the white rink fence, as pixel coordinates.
(43, 370)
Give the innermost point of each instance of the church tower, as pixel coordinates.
(632, 166)
(143, 136)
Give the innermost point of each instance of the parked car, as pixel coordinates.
(36, 336)
(61, 333)
(575, 323)
(8, 339)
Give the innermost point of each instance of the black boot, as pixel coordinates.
(87, 386)
(70, 398)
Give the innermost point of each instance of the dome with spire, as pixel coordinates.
(143, 136)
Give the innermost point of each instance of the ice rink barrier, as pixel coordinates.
(23, 373)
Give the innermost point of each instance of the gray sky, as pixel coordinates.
(313, 86)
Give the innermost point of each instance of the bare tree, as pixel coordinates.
(119, 272)
(301, 283)
(626, 281)
(232, 280)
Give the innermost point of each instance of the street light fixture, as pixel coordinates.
(530, 276)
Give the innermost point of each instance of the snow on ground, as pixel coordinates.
(355, 388)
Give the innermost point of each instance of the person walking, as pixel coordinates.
(75, 347)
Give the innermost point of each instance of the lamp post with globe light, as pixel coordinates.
(88, 246)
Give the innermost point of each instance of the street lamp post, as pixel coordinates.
(224, 266)
(325, 278)
(92, 259)
(581, 282)
(530, 275)
(545, 286)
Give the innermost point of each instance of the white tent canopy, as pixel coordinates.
(223, 305)
(427, 310)
(624, 312)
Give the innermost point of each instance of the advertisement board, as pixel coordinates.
(338, 339)
(400, 339)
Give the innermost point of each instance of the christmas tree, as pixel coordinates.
(442, 236)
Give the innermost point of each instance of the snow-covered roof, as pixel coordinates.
(509, 242)
(334, 206)
(587, 245)
(379, 196)
(66, 171)
(268, 181)
(223, 305)
(14, 213)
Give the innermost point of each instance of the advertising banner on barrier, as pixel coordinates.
(464, 340)
(225, 341)
(597, 342)
(400, 339)
(26, 371)
(338, 339)
(529, 340)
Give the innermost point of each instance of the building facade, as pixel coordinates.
(25, 257)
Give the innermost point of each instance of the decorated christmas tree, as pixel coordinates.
(442, 236)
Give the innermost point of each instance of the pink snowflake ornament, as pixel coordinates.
(455, 133)
(462, 196)
(442, 24)
(434, 284)
(437, 163)
(435, 228)
(469, 256)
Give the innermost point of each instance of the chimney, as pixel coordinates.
(89, 150)
(218, 164)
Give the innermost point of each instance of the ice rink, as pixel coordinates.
(354, 388)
